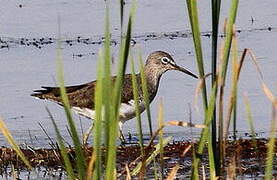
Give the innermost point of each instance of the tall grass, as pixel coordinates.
(234, 88)
(217, 149)
(225, 61)
(108, 97)
(107, 113)
(161, 134)
(80, 159)
(137, 102)
(5, 131)
(145, 95)
(218, 79)
(193, 16)
(116, 94)
(216, 6)
(98, 134)
(272, 137)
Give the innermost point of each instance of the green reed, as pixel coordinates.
(107, 102)
(195, 27)
(216, 5)
(145, 95)
(193, 16)
(80, 159)
(116, 97)
(98, 127)
(272, 136)
(225, 61)
(271, 145)
(137, 102)
(6, 133)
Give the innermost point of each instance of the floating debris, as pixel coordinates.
(8, 42)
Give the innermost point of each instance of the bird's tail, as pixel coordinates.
(46, 91)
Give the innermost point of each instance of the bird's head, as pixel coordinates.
(161, 62)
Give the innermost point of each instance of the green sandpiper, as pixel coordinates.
(81, 97)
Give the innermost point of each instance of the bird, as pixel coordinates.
(81, 97)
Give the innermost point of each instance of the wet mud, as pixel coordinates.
(246, 156)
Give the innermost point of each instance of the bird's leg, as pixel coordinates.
(121, 135)
(87, 133)
(122, 138)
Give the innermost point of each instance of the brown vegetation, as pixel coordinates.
(246, 156)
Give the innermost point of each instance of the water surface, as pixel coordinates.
(28, 63)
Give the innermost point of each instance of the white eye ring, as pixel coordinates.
(165, 60)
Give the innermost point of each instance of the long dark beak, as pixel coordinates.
(178, 68)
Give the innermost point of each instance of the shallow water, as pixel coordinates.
(26, 64)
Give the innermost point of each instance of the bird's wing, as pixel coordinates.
(79, 95)
(82, 96)
(127, 94)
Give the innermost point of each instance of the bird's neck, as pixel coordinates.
(153, 76)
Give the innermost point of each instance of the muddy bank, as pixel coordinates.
(242, 155)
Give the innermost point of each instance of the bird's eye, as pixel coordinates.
(165, 60)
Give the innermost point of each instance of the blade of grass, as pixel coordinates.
(107, 77)
(161, 133)
(6, 133)
(110, 121)
(91, 167)
(124, 53)
(136, 103)
(173, 172)
(271, 143)
(271, 146)
(147, 105)
(235, 80)
(269, 94)
(195, 164)
(215, 23)
(158, 147)
(225, 60)
(233, 95)
(229, 36)
(98, 119)
(80, 160)
(113, 133)
(205, 133)
(156, 175)
(67, 163)
(52, 144)
(145, 94)
(250, 118)
(147, 155)
(128, 175)
(193, 15)
(212, 164)
(251, 125)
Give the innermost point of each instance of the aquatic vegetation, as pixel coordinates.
(210, 156)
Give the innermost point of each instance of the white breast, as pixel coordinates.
(89, 113)
(126, 111)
